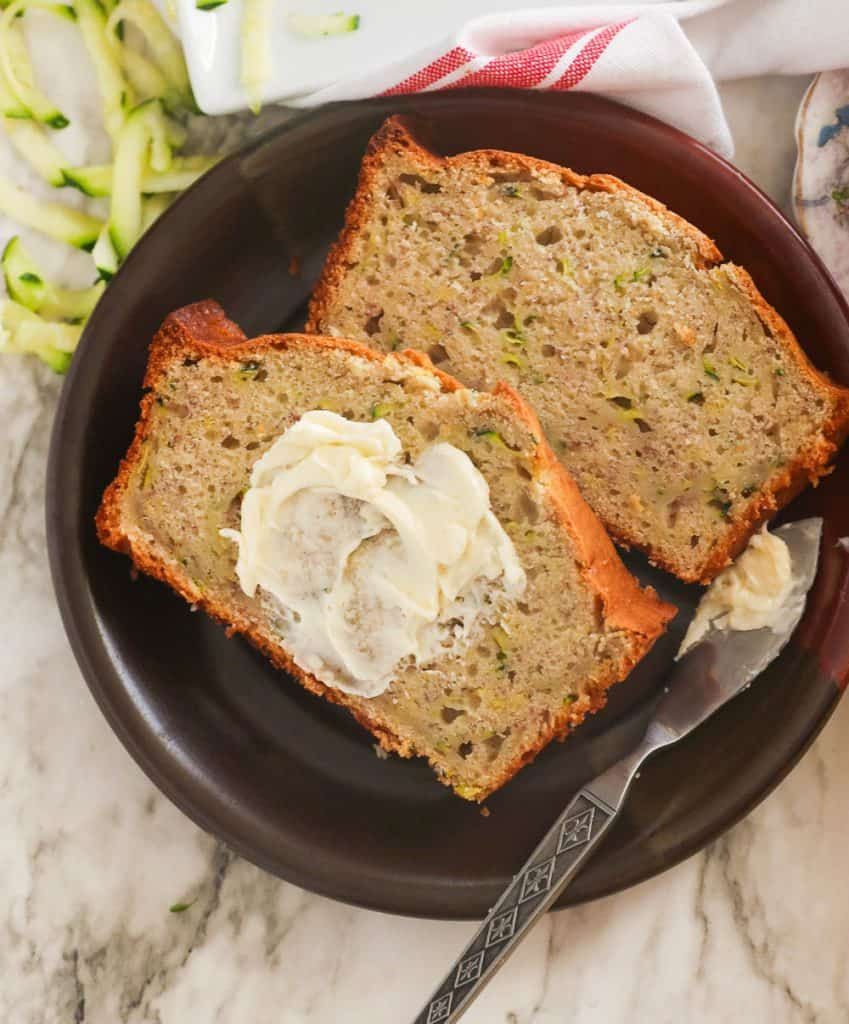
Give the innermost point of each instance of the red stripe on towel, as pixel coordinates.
(584, 61)
(521, 70)
(432, 72)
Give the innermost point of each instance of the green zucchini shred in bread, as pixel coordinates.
(215, 402)
(677, 398)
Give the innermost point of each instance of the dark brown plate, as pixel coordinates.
(292, 783)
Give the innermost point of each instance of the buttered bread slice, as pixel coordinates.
(677, 398)
(402, 545)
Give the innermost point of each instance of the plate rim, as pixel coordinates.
(70, 583)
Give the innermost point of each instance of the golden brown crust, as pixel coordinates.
(397, 135)
(203, 331)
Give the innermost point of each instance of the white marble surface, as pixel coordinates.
(754, 929)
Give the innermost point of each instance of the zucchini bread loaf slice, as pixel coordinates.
(541, 649)
(677, 398)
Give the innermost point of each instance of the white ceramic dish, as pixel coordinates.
(388, 31)
(821, 180)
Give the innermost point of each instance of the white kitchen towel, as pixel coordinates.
(660, 58)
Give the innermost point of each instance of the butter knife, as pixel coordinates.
(716, 669)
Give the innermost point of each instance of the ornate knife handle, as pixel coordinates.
(547, 872)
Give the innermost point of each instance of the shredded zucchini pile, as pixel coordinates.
(146, 97)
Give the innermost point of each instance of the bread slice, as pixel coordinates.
(678, 399)
(215, 401)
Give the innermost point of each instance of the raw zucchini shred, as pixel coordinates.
(23, 332)
(10, 105)
(315, 25)
(91, 181)
(96, 179)
(141, 143)
(147, 80)
(115, 93)
(166, 51)
(17, 66)
(105, 257)
(38, 149)
(256, 56)
(27, 285)
(63, 223)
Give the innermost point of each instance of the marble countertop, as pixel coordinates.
(754, 929)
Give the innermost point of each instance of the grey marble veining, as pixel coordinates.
(755, 929)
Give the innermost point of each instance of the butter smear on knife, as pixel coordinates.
(752, 593)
